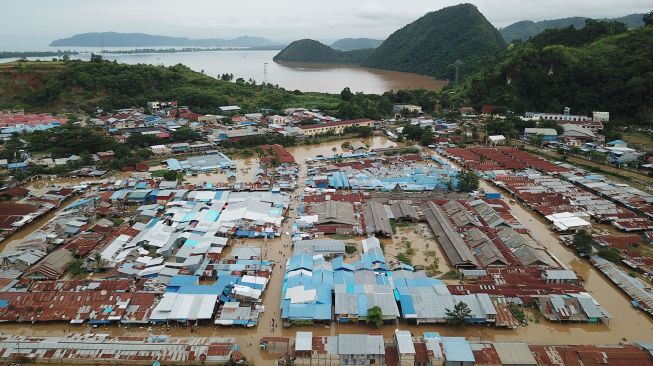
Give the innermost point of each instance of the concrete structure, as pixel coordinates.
(335, 127)
(548, 134)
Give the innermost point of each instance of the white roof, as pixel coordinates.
(300, 295)
(541, 131)
(404, 342)
(495, 138)
(304, 341)
(371, 242)
(229, 108)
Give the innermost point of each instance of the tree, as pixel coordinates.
(346, 94)
(610, 254)
(459, 315)
(648, 18)
(536, 140)
(467, 181)
(170, 175)
(185, 133)
(99, 262)
(582, 242)
(375, 316)
(76, 267)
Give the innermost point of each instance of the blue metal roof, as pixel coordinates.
(300, 261)
(173, 164)
(457, 349)
(183, 280)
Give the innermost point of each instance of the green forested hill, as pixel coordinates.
(526, 29)
(79, 85)
(613, 73)
(433, 43)
(308, 50)
(430, 45)
(73, 86)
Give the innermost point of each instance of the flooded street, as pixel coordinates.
(302, 152)
(626, 323)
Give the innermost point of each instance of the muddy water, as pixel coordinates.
(335, 147)
(626, 323)
(245, 172)
(13, 240)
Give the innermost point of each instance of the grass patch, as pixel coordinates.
(518, 313)
(402, 257)
(343, 237)
(433, 269)
(158, 173)
(451, 275)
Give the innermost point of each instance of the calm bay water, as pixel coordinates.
(314, 77)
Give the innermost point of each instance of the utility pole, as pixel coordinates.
(265, 73)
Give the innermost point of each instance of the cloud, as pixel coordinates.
(280, 20)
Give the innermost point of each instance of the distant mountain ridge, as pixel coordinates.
(526, 29)
(350, 44)
(116, 39)
(431, 45)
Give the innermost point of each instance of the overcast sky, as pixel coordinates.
(36, 22)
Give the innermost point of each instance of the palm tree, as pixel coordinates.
(99, 262)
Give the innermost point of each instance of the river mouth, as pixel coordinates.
(259, 66)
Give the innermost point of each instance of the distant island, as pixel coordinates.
(21, 54)
(350, 44)
(115, 39)
(437, 44)
(526, 29)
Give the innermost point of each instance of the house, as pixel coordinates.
(358, 147)
(230, 108)
(335, 127)
(617, 143)
(576, 132)
(466, 111)
(105, 155)
(548, 134)
(620, 155)
(179, 147)
(497, 140)
(334, 217)
(326, 247)
(601, 116)
(398, 108)
(560, 276)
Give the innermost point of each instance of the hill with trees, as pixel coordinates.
(83, 86)
(432, 45)
(116, 39)
(350, 44)
(308, 50)
(526, 29)
(74, 85)
(588, 69)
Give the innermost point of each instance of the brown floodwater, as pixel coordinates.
(359, 77)
(307, 77)
(302, 152)
(626, 323)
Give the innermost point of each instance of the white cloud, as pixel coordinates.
(39, 21)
